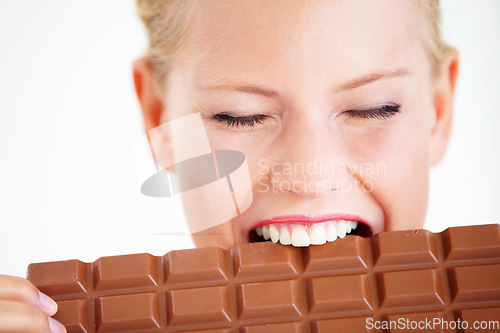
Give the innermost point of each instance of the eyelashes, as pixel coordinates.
(379, 113)
(231, 121)
(382, 112)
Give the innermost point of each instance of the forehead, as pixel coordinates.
(316, 37)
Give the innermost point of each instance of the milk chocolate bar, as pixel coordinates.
(340, 286)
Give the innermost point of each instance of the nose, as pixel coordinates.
(309, 161)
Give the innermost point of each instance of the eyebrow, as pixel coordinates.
(367, 79)
(246, 88)
(266, 92)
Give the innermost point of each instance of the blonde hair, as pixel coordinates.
(167, 23)
(429, 13)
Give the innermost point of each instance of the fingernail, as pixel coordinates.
(55, 326)
(48, 304)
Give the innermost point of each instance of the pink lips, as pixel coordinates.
(308, 220)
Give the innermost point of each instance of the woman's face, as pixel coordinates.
(333, 104)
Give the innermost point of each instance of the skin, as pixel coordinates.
(318, 58)
(23, 308)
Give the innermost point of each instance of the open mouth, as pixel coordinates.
(305, 234)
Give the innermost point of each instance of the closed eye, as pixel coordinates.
(382, 112)
(247, 121)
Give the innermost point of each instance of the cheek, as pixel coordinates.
(255, 147)
(399, 154)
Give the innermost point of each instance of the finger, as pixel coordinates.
(14, 288)
(18, 317)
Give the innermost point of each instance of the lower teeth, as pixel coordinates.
(298, 234)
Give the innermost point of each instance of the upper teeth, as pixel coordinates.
(298, 235)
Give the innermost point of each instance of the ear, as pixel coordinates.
(443, 106)
(152, 105)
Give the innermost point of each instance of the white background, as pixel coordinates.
(69, 122)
